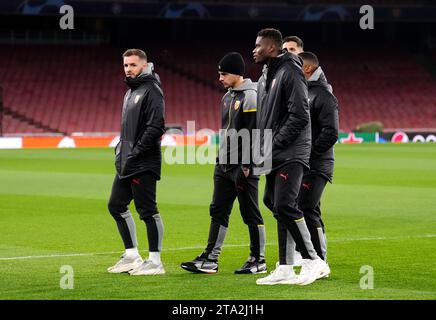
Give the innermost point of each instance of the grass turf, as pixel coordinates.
(380, 212)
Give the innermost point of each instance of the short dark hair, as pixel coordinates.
(296, 39)
(135, 52)
(310, 56)
(273, 34)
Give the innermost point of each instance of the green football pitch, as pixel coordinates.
(380, 215)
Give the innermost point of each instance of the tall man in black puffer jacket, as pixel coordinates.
(283, 108)
(325, 126)
(138, 165)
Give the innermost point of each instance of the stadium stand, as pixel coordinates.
(71, 89)
(14, 125)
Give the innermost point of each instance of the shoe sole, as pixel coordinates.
(199, 270)
(147, 274)
(278, 282)
(124, 270)
(208, 271)
(114, 272)
(249, 272)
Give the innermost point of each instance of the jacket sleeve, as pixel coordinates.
(249, 110)
(296, 99)
(155, 122)
(328, 121)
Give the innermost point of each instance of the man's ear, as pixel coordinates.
(144, 66)
(271, 48)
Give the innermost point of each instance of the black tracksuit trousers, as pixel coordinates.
(309, 201)
(281, 197)
(229, 185)
(142, 190)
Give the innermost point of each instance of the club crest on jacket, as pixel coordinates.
(237, 104)
(137, 98)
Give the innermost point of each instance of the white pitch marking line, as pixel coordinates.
(202, 247)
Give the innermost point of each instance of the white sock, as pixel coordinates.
(132, 252)
(155, 257)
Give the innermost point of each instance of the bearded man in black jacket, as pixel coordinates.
(283, 108)
(138, 163)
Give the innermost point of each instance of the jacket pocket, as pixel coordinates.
(125, 148)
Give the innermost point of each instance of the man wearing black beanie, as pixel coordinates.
(233, 177)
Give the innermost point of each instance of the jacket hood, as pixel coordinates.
(283, 58)
(246, 85)
(147, 75)
(278, 61)
(319, 79)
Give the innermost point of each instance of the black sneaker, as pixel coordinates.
(201, 264)
(252, 266)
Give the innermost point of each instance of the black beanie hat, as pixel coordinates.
(233, 63)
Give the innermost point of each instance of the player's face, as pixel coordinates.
(228, 80)
(133, 66)
(292, 47)
(262, 49)
(308, 69)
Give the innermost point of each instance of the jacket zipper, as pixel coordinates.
(230, 114)
(121, 140)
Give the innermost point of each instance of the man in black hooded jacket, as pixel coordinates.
(283, 109)
(325, 126)
(138, 164)
(323, 112)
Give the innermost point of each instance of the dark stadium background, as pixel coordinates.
(68, 81)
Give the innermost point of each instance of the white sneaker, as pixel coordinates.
(282, 274)
(298, 259)
(310, 271)
(325, 272)
(125, 264)
(147, 268)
